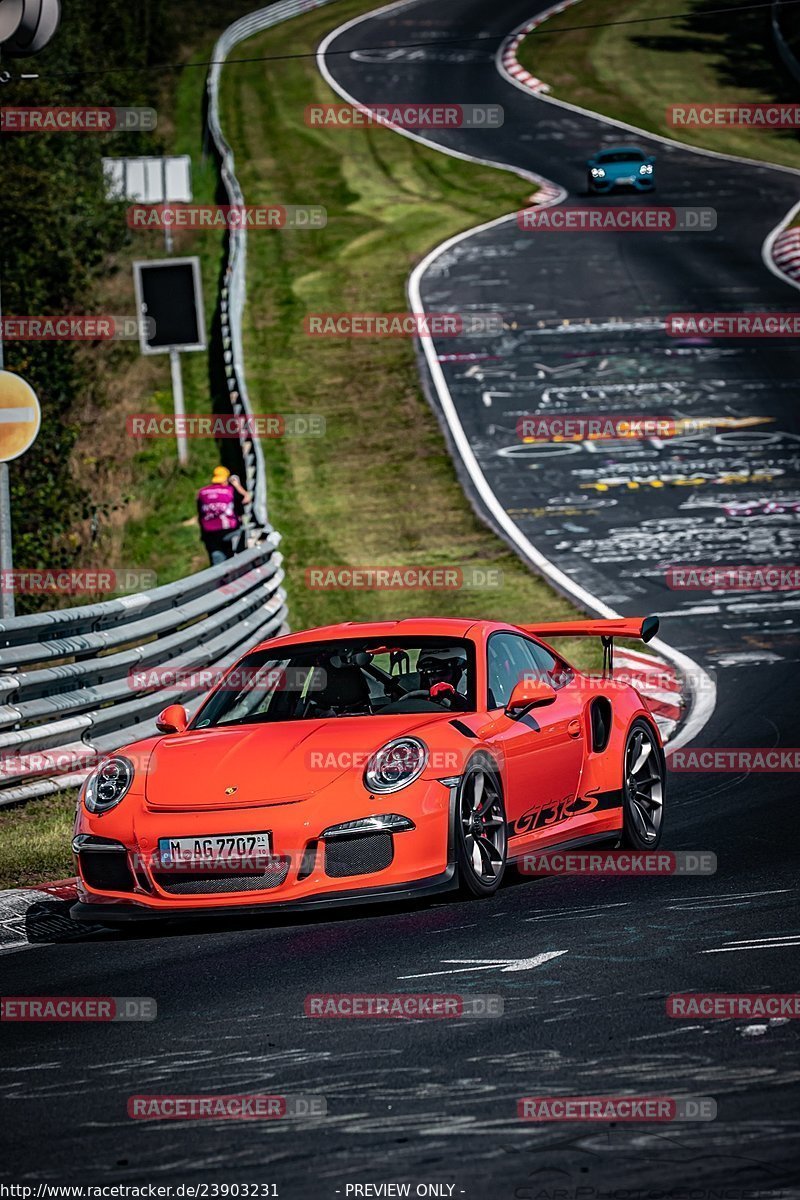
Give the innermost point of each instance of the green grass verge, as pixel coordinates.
(380, 487)
(634, 71)
(161, 530)
(35, 841)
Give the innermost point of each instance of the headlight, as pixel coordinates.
(109, 784)
(395, 765)
(646, 169)
(598, 173)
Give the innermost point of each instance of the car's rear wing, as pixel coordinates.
(644, 628)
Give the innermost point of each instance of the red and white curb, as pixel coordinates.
(38, 914)
(785, 251)
(658, 683)
(548, 193)
(508, 51)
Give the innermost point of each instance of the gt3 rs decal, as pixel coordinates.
(562, 810)
(552, 814)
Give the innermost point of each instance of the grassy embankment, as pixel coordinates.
(633, 70)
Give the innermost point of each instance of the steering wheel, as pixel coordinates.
(424, 694)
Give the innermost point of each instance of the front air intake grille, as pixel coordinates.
(106, 870)
(179, 883)
(358, 855)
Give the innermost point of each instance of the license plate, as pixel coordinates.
(235, 850)
(626, 179)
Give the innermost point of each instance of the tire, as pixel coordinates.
(643, 788)
(481, 833)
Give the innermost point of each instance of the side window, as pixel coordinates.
(554, 670)
(509, 659)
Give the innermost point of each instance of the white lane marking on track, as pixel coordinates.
(452, 928)
(650, 1037)
(702, 689)
(760, 1030)
(742, 895)
(784, 942)
(587, 914)
(702, 906)
(777, 937)
(572, 912)
(491, 964)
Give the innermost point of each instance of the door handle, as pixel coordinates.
(574, 728)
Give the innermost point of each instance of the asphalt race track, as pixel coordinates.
(435, 1102)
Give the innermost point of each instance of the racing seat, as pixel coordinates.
(346, 689)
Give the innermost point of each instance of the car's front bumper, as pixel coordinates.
(121, 876)
(637, 183)
(112, 912)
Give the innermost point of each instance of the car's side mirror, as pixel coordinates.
(528, 694)
(173, 719)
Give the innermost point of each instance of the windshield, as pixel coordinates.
(343, 679)
(620, 156)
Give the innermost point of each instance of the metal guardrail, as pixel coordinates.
(74, 683)
(232, 292)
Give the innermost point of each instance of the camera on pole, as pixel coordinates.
(26, 26)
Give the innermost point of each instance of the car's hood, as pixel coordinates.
(280, 763)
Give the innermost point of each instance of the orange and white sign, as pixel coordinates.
(20, 416)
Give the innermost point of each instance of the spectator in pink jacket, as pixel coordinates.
(220, 505)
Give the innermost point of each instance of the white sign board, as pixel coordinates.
(150, 180)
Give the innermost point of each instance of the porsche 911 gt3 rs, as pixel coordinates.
(371, 761)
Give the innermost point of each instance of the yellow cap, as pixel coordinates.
(221, 475)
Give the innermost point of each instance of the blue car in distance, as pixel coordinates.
(621, 167)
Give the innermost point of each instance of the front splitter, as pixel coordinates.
(113, 913)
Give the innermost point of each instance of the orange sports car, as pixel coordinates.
(367, 762)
